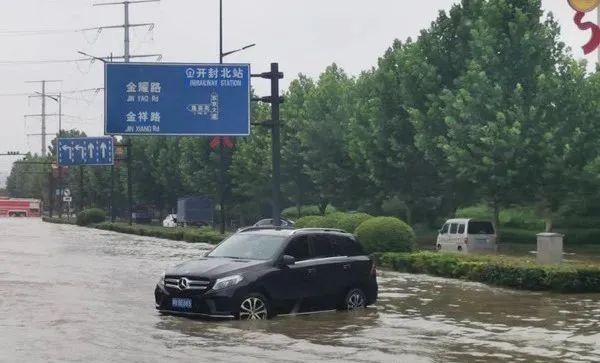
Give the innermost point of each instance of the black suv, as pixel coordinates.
(263, 271)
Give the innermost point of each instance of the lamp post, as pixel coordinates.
(221, 138)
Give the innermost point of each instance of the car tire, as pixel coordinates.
(438, 247)
(354, 299)
(254, 307)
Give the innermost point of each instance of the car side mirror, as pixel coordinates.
(288, 260)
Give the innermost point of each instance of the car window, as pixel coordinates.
(344, 246)
(453, 228)
(298, 248)
(321, 246)
(461, 228)
(444, 229)
(480, 227)
(251, 246)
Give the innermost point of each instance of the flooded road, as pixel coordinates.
(70, 294)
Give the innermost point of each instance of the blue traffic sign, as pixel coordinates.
(85, 151)
(177, 99)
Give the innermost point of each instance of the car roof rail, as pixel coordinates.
(258, 228)
(319, 230)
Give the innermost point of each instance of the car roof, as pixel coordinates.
(287, 231)
(465, 220)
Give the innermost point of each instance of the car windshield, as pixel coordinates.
(251, 246)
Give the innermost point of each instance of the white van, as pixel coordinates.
(467, 235)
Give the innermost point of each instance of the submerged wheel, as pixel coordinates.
(254, 307)
(355, 299)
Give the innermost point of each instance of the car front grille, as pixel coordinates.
(186, 283)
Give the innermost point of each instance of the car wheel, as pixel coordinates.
(355, 299)
(254, 307)
(438, 247)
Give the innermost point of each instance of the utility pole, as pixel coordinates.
(43, 115)
(126, 57)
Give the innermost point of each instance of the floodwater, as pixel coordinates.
(70, 294)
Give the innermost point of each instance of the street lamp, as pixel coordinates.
(223, 55)
(221, 139)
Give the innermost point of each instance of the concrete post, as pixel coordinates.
(549, 248)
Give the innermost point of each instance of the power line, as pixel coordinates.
(44, 61)
(96, 90)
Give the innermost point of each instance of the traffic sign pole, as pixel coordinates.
(275, 100)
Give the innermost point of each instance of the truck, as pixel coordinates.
(20, 207)
(195, 211)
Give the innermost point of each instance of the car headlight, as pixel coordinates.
(228, 281)
(161, 281)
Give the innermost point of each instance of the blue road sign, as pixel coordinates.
(85, 151)
(177, 99)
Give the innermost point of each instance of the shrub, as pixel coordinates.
(521, 217)
(591, 222)
(306, 210)
(573, 236)
(89, 216)
(350, 221)
(386, 234)
(310, 222)
(498, 270)
(477, 211)
(581, 236)
(513, 235)
(516, 217)
(205, 234)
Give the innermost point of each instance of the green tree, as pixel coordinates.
(324, 134)
(297, 184)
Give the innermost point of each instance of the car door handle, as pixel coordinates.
(346, 266)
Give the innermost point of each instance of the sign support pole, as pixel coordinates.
(275, 100)
(221, 139)
(276, 144)
(51, 194)
(81, 188)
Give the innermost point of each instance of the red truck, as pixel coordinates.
(20, 207)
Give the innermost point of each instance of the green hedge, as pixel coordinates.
(58, 220)
(387, 234)
(345, 221)
(349, 222)
(501, 271)
(310, 222)
(579, 222)
(306, 210)
(573, 236)
(205, 234)
(517, 217)
(89, 216)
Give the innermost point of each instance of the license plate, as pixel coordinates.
(181, 304)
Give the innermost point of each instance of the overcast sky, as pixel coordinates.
(303, 36)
